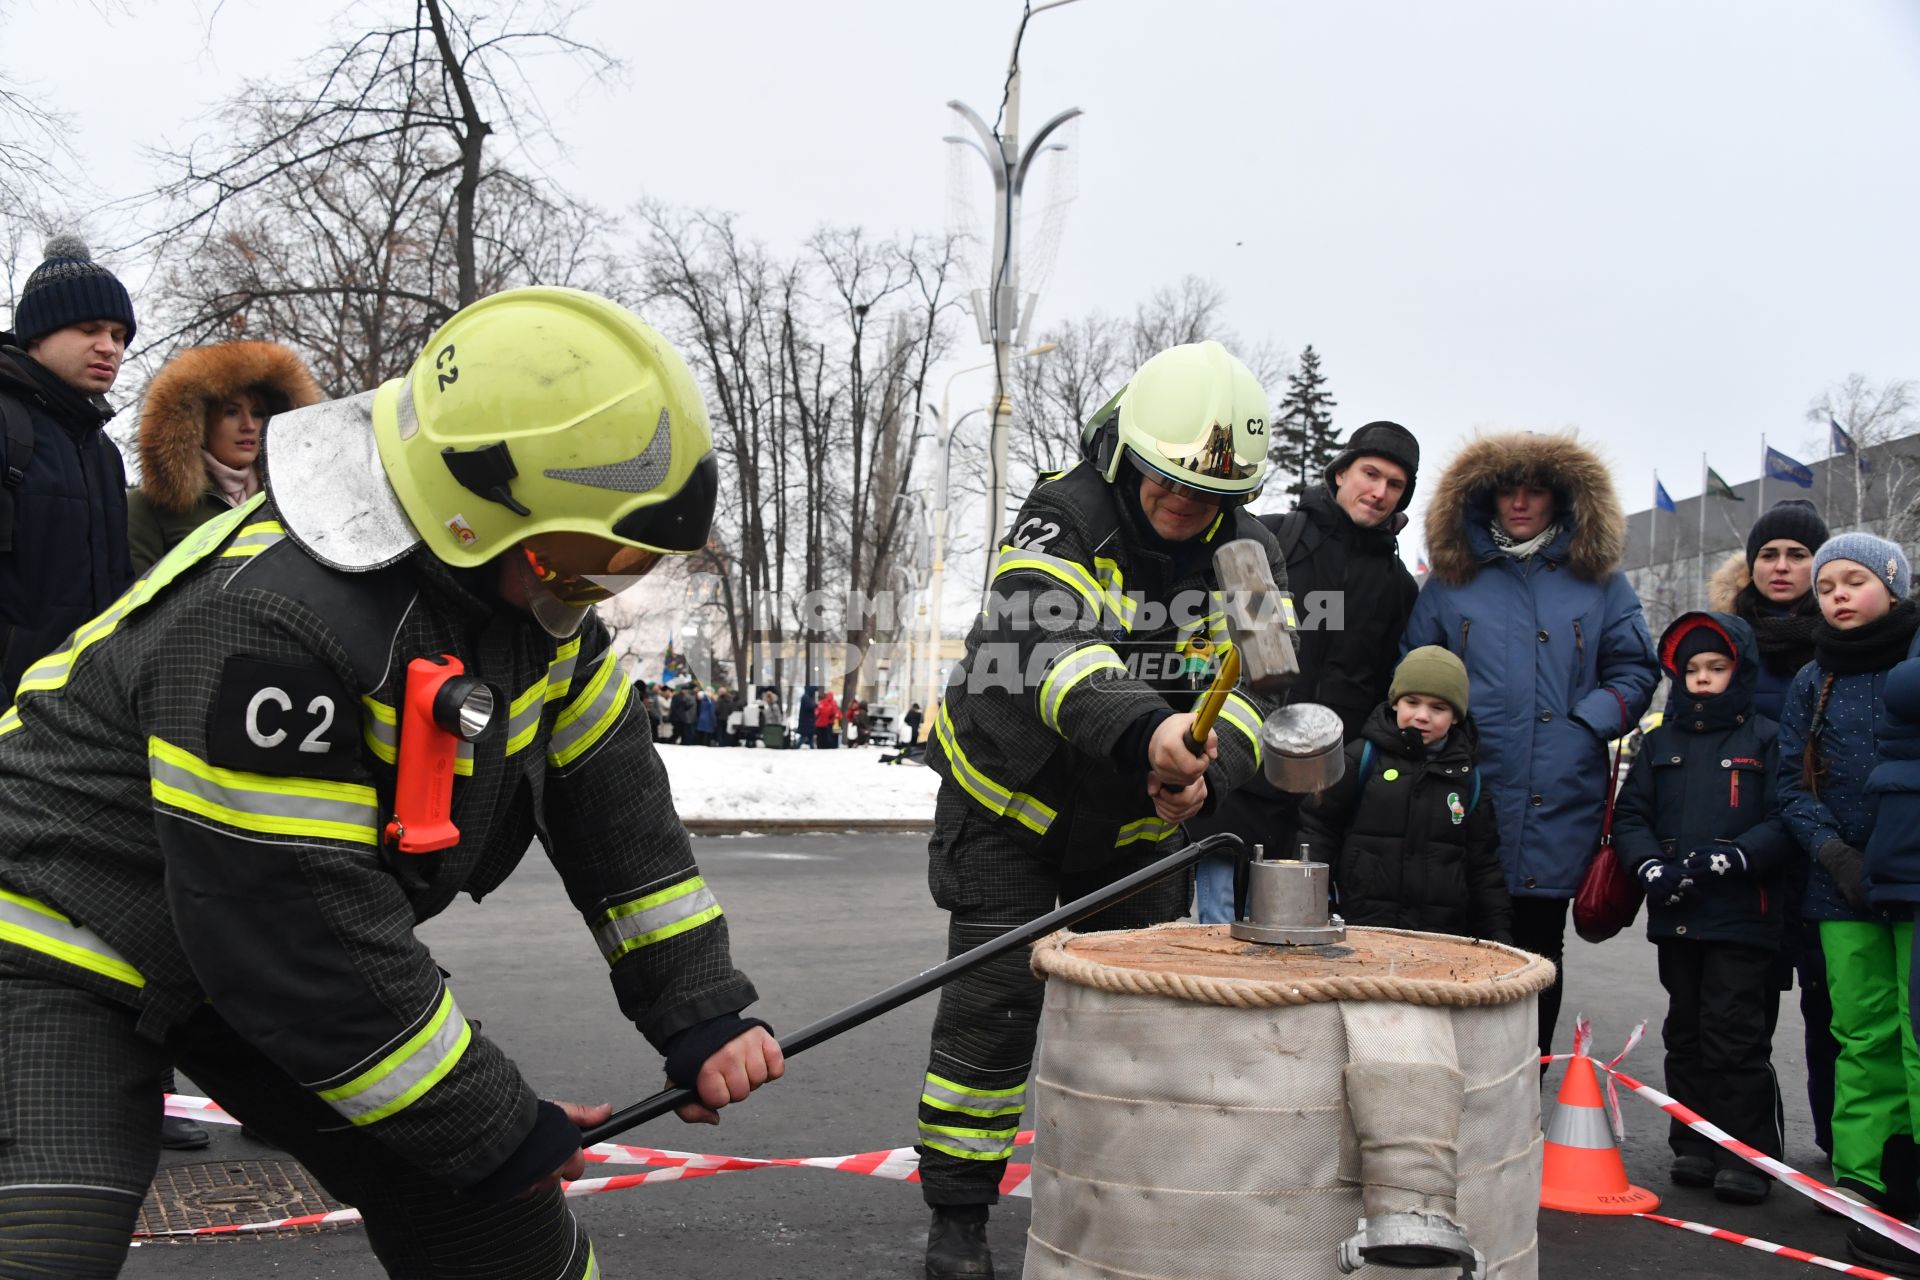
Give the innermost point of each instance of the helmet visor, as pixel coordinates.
(579, 569)
(681, 524)
(1168, 479)
(1211, 455)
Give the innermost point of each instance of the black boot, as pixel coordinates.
(177, 1134)
(1874, 1249)
(957, 1243)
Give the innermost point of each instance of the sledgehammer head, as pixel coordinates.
(1256, 616)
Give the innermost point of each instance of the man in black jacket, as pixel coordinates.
(1354, 596)
(63, 491)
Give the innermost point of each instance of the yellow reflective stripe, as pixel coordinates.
(1113, 586)
(401, 1077)
(1018, 805)
(968, 1144)
(1069, 671)
(948, 1095)
(1015, 559)
(52, 671)
(587, 720)
(1153, 829)
(38, 927)
(560, 670)
(254, 539)
(655, 918)
(1245, 717)
(593, 1264)
(380, 730)
(271, 805)
(1215, 526)
(1286, 610)
(9, 720)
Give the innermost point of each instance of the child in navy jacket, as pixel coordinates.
(1696, 824)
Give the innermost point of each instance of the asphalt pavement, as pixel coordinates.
(818, 922)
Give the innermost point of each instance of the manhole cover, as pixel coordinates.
(185, 1197)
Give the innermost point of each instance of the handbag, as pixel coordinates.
(1608, 898)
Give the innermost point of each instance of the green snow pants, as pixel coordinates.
(1876, 1082)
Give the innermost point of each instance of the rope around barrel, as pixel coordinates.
(1054, 956)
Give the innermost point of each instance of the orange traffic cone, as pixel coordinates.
(1583, 1172)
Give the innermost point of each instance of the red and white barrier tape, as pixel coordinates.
(1767, 1246)
(900, 1164)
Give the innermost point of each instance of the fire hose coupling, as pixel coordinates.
(1411, 1241)
(444, 707)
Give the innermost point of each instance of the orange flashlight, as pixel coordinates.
(444, 707)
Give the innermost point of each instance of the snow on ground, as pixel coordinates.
(753, 784)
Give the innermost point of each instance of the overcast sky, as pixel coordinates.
(1667, 224)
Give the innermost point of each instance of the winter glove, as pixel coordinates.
(1665, 883)
(1848, 867)
(1713, 864)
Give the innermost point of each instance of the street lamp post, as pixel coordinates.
(1009, 167)
(948, 429)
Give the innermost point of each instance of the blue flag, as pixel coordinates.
(1781, 467)
(1661, 499)
(1838, 440)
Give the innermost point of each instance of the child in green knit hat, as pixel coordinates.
(1412, 841)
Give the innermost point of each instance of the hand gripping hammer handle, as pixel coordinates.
(913, 988)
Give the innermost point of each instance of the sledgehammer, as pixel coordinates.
(1262, 649)
(938, 976)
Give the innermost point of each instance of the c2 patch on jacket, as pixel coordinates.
(274, 716)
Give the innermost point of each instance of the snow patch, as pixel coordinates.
(747, 785)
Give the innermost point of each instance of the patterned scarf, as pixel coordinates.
(1521, 550)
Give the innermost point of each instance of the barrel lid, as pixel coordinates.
(1206, 964)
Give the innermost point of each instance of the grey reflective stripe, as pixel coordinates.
(655, 918)
(587, 718)
(946, 1095)
(560, 670)
(381, 729)
(257, 802)
(255, 538)
(404, 1073)
(968, 1144)
(1582, 1127)
(38, 927)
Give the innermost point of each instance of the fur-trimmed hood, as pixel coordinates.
(1594, 538)
(173, 418)
(1727, 582)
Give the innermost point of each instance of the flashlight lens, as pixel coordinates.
(476, 711)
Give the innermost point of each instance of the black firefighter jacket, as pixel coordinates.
(1411, 837)
(1703, 779)
(1092, 622)
(68, 531)
(196, 788)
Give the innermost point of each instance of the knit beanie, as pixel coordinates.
(1698, 639)
(1884, 560)
(1794, 518)
(1433, 671)
(1387, 440)
(67, 288)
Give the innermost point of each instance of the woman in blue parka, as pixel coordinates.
(1525, 537)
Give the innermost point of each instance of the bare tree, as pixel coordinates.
(1874, 414)
(358, 204)
(1054, 396)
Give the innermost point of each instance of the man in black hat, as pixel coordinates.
(63, 491)
(1353, 595)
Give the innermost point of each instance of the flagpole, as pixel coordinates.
(1760, 501)
(1702, 575)
(1831, 442)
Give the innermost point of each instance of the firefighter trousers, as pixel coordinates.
(975, 1088)
(80, 1133)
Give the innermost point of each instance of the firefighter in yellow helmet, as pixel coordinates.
(1059, 740)
(210, 852)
